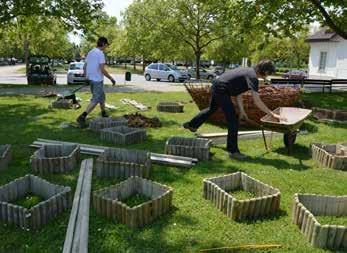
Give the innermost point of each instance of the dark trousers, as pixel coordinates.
(221, 98)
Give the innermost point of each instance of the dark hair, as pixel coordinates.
(265, 67)
(102, 41)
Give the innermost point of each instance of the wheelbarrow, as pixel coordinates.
(294, 118)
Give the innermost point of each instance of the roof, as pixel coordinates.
(324, 35)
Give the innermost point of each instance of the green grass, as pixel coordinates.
(135, 200)
(29, 201)
(194, 223)
(241, 195)
(332, 220)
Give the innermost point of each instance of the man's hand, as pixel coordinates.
(113, 82)
(279, 117)
(243, 116)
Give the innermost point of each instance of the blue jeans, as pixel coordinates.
(221, 98)
(97, 89)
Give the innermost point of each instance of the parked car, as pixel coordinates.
(204, 74)
(162, 71)
(3, 62)
(40, 71)
(219, 70)
(75, 73)
(295, 74)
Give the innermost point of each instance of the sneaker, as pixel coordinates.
(104, 114)
(237, 156)
(187, 126)
(81, 120)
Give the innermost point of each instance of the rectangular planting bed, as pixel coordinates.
(305, 210)
(5, 156)
(55, 158)
(265, 204)
(110, 202)
(100, 123)
(170, 107)
(330, 156)
(56, 199)
(189, 147)
(123, 163)
(123, 135)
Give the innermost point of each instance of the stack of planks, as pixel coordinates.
(161, 159)
(134, 103)
(76, 240)
(5, 156)
(306, 206)
(266, 203)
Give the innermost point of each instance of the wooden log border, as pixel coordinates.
(62, 104)
(5, 156)
(76, 239)
(55, 158)
(266, 204)
(123, 135)
(323, 154)
(123, 163)
(189, 147)
(173, 107)
(56, 200)
(100, 123)
(108, 202)
(306, 206)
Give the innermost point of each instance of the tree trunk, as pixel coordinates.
(143, 64)
(134, 63)
(197, 62)
(26, 55)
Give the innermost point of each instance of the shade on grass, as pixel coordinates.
(194, 223)
(135, 200)
(28, 201)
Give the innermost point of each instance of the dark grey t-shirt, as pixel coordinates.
(235, 81)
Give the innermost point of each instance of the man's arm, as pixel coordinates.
(260, 104)
(243, 114)
(104, 71)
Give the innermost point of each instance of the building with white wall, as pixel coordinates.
(328, 55)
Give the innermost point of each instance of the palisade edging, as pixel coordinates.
(56, 200)
(108, 201)
(123, 135)
(328, 155)
(98, 124)
(123, 163)
(189, 147)
(55, 158)
(216, 190)
(173, 107)
(5, 156)
(306, 206)
(62, 104)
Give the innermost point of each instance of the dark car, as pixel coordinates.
(40, 71)
(295, 74)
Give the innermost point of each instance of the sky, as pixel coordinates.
(113, 8)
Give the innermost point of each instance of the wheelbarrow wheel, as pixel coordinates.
(289, 139)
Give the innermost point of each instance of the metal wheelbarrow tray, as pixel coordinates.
(295, 118)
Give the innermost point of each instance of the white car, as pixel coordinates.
(75, 73)
(162, 71)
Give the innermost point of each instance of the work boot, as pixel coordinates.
(104, 114)
(187, 126)
(81, 120)
(237, 156)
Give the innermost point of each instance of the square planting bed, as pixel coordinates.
(100, 123)
(266, 203)
(56, 199)
(170, 107)
(189, 147)
(55, 158)
(123, 135)
(109, 202)
(5, 156)
(330, 156)
(123, 163)
(307, 206)
(62, 104)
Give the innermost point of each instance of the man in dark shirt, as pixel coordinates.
(234, 83)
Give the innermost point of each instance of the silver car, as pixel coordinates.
(162, 71)
(204, 74)
(75, 73)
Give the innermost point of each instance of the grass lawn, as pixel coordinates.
(194, 223)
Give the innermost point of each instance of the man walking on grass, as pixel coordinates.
(94, 70)
(235, 83)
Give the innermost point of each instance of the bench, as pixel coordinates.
(287, 82)
(339, 83)
(76, 240)
(310, 83)
(317, 83)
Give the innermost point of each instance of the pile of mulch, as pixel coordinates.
(138, 120)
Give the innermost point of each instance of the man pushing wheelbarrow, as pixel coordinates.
(235, 83)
